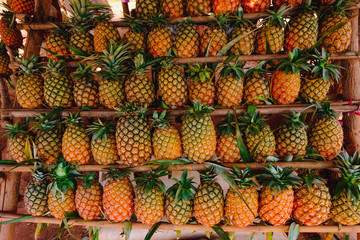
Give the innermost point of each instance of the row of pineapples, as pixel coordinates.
(132, 142)
(282, 194)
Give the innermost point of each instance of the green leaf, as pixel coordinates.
(220, 232)
(153, 229)
(294, 231)
(127, 229)
(40, 227)
(16, 220)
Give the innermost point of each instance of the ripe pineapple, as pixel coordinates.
(257, 85)
(179, 200)
(227, 148)
(259, 138)
(302, 29)
(204, 6)
(29, 88)
(209, 199)
(201, 84)
(118, 197)
(285, 82)
(139, 87)
(229, 86)
(270, 37)
(187, 40)
(315, 84)
(312, 201)
(160, 37)
(173, 9)
(345, 207)
(88, 197)
(150, 196)
(75, 142)
(48, 138)
(224, 6)
(277, 195)
(85, 88)
(5, 71)
(290, 3)
(22, 6)
(252, 6)
(103, 142)
(61, 196)
(198, 133)
(291, 137)
(136, 36)
(214, 37)
(36, 193)
(55, 43)
(326, 134)
(57, 85)
(335, 27)
(172, 84)
(166, 139)
(146, 8)
(133, 138)
(242, 210)
(18, 136)
(9, 32)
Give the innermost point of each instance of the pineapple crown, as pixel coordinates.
(199, 109)
(13, 130)
(167, 62)
(102, 14)
(157, 20)
(235, 69)
(137, 24)
(349, 182)
(73, 119)
(142, 64)
(47, 121)
(238, 20)
(89, 179)
(116, 173)
(339, 7)
(310, 179)
(56, 67)
(83, 71)
(252, 122)
(260, 69)
(100, 130)
(276, 18)
(293, 120)
(323, 68)
(220, 21)
(200, 73)
(294, 63)
(208, 174)
(243, 178)
(60, 29)
(278, 179)
(8, 15)
(132, 108)
(39, 174)
(161, 121)
(324, 111)
(28, 66)
(150, 180)
(183, 189)
(227, 125)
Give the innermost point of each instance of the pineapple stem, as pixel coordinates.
(178, 234)
(269, 236)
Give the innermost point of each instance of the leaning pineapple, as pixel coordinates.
(5, 71)
(203, 5)
(18, 138)
(136, 36)
(55, 43)
(166, 139)
(257, 85)
(150, 196)
(277, 195)
(198, 133)
(160, 37)
(214, 37)
(29, 88)
(187, 40)
(9, 32)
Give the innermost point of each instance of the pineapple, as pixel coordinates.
(160, 37)
(291, 137)
(9, 32)
(61, 196)
(209, 199)
(139, 87)
(103, 142)
(290, 3)
(285, 82)
(172, 84)
(166, 139)
(312, 201)
(146, 8)
(173, 9)
(55, 44)
(150, 196)
(326, 134)
(88, 197)
(133, 138)
(335, 27)
(201, 84)
(241, 210)
(179, 200)
(214, 37)
(57, 85)
(36, 193)
(48, 138)
(345, 207)
(224, 6)
(257, 85)
(22, 6)
(252, 6)
(227, 148)
(194, 6)
(75, 142)
(270, 37)
(29, 88)
(18, 137)
(259, 139)
(187, 40)
(302, 29)
(136, 36)
(315, 84)
(5, 71)
(198, 133)
(85, 88)
(277, 195)
(118, 197)
(230, 84)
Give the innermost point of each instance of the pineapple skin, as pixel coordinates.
(203, 92)
(314, 89)
(60, 204)
(56, 43)
(203, 5)
(17, 147)
(22, 6)
(136, 39)
(173, 8)
(48, 145)
(345, 211)
(145, 8)
(10, 35)
(178, 213)
(218, 40)
(111, 93)
(58, 91)
(5, 71)
(88, 202)
(225, 6)
(285, 87)
(35, 198)
(159, 41)
(104, 32)
(265, 143)
(86, 93)
(251, 6)
(187, 41)
(291, 141)
(167, 143)
(149, 207)
(105, 152)
(229, 91)
(246, 45)
(227, 149)
(273, 35)
(83, 41)
(140, 89)
(256, 86)
(290, 3)
(29, 91)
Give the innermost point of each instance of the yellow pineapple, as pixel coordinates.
(257, 85)
(187, 40)
(160, 38)
(18, 139)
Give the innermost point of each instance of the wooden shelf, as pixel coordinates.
(187, 227)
